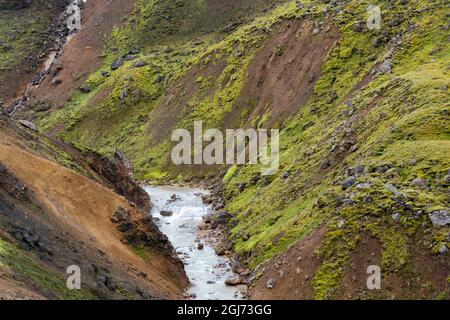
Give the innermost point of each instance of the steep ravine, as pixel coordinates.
(179, 213)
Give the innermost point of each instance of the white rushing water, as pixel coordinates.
(206, 271)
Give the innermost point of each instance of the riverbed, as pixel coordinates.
(207, 271)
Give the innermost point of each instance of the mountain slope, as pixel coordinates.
(364, 132)
(52, 217)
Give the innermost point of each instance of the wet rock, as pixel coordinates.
(221, 218)
(220, 249)
(207, 199)
(271, 283)
(166, 213)
(28, 124)
(440, 218)
(234, 281)
(173, 198)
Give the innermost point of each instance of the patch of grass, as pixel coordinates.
(30, 270)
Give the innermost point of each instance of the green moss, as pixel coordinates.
(398, 118)
(30, 270)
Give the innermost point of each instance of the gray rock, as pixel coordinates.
(28, 124)
(234, 281)
(443, 249)
(393, 189)
(421, 183)
(139, 64)
(385, 66)
(271, 283)
(377, 42)
(116, 64)
(358, 26)
(347, 183)
(440, 218)
(447, 178)
(365, 185)
(396, 216)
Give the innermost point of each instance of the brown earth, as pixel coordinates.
(81, 55)
(72, 214)
(294, 270)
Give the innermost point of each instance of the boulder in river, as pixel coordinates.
(166, 213)
(234, 280)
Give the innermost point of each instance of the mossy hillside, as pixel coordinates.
(28, 269)
(123, 123)
(398, 121)
(402, 119)
(24, 34)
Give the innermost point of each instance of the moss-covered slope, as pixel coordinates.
(366, 152)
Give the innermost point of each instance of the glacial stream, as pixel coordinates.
(207, 271)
